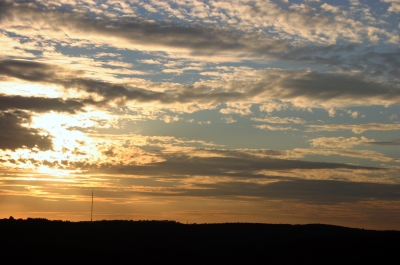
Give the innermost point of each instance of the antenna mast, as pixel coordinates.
(91, 213)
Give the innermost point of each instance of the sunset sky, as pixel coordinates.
(279, 111)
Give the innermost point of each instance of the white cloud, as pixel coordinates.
(229, 119)
(204, 122)
(353, 114)
(332, 112)
(278, 120)
(237, 108)
(274, 128)
(149, 61)
(394, 5)
(169, 119)
(327, 7)
(273, 106)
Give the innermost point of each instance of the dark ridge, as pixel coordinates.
(161, 242)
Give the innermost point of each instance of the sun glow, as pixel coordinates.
(55, 172)
(73, 150)
(28, 89)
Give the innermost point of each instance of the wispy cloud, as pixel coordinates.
(355, 128)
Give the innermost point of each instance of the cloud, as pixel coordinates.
(327, 87)
(29, 70)
(310, 23)
(11, 47)
(394, 5)
(140, 140)
(355, 128)
(393, 142)
(149, 61)
(45, 73)
(340, 142)
(237, 108)
(353, 114)
(137, 33)
(303, 89)
(278, 120)
(351, 58)
(124, 189)
(363, 154)
(15, 134)
(225, 42)
(40, 104)
(332, 112)
(327, 7)
(234, 163)
(309, 89)
(273, 106)
(169, 119)
(309, 191)
(229, 119)
(274, 128)
(174, 159)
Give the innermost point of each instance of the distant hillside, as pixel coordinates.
(156, 242)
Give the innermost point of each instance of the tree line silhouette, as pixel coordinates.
(155, 242)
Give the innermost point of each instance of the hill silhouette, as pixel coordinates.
(157, 242)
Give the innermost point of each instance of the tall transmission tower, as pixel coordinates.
(91, 213)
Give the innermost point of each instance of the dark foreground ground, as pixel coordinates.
(168, 242)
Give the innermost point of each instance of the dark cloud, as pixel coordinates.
(242, 178)
(45, 73)
(14, 135)
(378, 63)
(39, 104)
(312, 85)
(319, 54)
(246, 181)
(350, 57)
(221, 163)
(327, 86)
(29, 71)
(309, 191)
(197, 38)
(393, 142)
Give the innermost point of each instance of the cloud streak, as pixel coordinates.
(40, 104)
(355, 128)
(293, 86)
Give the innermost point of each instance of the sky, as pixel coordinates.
(273, 111)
